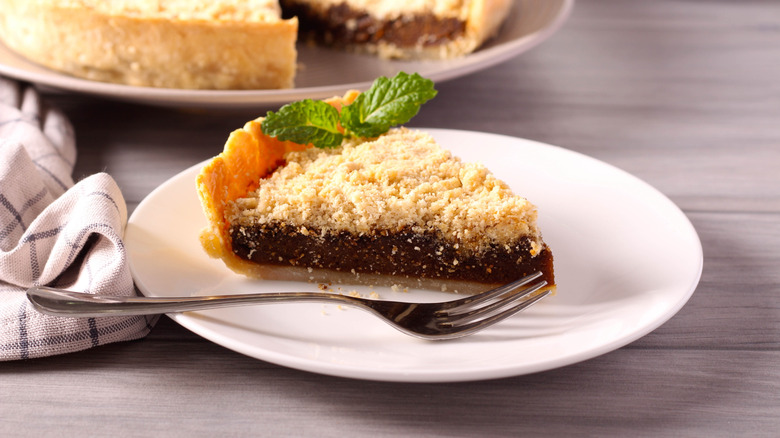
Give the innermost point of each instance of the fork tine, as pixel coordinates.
(465, 303)
(483, 314)
(468, 329)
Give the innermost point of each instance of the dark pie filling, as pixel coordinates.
(341, 25)
(402, 253)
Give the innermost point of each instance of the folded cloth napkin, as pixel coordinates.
(54, 232)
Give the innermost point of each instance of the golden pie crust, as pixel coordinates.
(248, 156)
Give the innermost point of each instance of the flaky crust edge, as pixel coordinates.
(248, 156)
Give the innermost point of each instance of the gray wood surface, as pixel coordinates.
(683, 94)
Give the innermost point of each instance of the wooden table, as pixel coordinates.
(685, 95)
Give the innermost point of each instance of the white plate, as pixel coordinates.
(626, 260)
(326, 72)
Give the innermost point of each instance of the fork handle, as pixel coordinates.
(52, 301)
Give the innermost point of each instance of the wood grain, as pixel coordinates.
(197, 389)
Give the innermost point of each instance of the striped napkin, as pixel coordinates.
(54, 232)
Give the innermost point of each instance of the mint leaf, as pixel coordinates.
(304, 122)
(389, 102)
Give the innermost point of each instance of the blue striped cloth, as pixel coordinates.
(54, 232)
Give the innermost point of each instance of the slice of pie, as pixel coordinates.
(392, 210)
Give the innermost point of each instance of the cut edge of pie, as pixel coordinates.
(413, 30)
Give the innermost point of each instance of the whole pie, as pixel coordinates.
(397, 209)
(233, 44)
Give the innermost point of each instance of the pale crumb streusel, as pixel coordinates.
(401, 180)
(229, 10)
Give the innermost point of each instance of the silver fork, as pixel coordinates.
(434, 321)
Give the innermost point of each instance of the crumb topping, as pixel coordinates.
(228, 10)
(400, 180)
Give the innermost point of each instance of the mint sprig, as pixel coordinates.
(388, 103)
